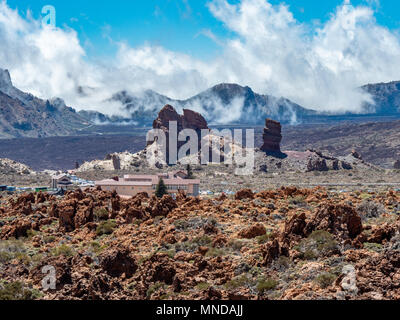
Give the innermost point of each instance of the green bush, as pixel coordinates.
(202, 286)
(106, 227)
(49, 239)
(325, 280)
(154, 288)
(203, 240)
(13, 249)
(63, 250)
(17, 291)
(238, 282)
(161, 189)
(376, 247)
(319, 244)
(267, 284)
(263, 239)
(101, 214)
(215, 252)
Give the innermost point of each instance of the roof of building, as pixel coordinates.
(111, 182)
(60, 176)
(151, 180)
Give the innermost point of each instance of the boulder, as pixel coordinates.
(317, 164)
(253, 231)
(244, 194)
(118, 261)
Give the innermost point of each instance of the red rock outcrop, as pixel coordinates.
(244, 194)
(253, 231)
(272, 137)
(118, 261)
(341, 220)
(161, 207)
(189, 120)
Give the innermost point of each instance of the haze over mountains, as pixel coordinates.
(23, 115)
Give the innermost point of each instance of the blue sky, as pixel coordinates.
(176, 25)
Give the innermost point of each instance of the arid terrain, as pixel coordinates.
(303, 224)
(286, 243)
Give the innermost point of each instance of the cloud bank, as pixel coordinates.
(317, 66)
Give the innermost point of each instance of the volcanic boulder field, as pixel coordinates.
(278, 244)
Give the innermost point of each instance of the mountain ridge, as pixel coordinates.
(24, 115)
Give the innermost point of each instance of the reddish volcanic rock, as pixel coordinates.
(189, 120)
(253, 231)
(270, 252)
(244, 194)
(339, 220)
(272, 137)
(118, 261)
(18, 228)
(161, 207)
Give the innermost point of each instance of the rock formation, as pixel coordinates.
(272, 137)
(189, 120)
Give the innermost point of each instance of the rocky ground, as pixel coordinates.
(301, 169)
(13, 173)
(285, 243)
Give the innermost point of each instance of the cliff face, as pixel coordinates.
(272, 137)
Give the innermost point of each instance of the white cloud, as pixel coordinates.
(318, 66)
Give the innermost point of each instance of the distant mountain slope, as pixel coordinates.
(221, 104)
(386, 97)
(377, 142)
(23, 115)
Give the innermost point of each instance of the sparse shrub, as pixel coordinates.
(96, 247)
(237, 245)
(154, 288)
(297, 200)
(203, 240)
(13, 249)
(238, 282)
(170, 253)
(31, 233)
(215, 252)
(101, 214)
(202, 286)
(325, 279)
(370, 209)
(49, 239)
(63, 250)
(319, 244)
(106, 227)
(283, 262)
(17, 291)
(267, 284)
(263, 239)
(376, 247)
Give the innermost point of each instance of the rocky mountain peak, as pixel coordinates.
(5, 79)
